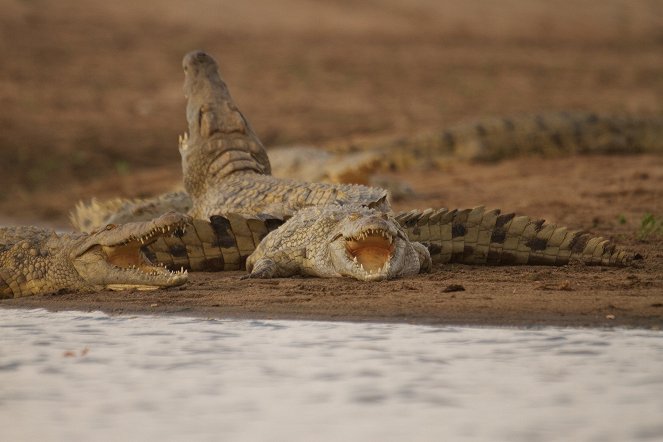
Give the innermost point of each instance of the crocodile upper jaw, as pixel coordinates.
(113, 257)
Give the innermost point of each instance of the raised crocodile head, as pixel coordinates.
(112, 257)
(220, 140)
(331, 241)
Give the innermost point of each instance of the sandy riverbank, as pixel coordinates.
(92, 105)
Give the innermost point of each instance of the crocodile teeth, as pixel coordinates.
(183, 141)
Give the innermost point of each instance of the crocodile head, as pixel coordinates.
(112, 257)
(331, 241)
(220, 140)
(370, 245)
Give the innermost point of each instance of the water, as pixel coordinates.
(89, 376)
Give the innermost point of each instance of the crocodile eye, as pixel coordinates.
(353, 216)
(111, 226)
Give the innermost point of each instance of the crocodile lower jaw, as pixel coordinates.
(130, 261)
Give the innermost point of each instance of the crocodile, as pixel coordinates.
(352, 240)
(484, 140)
(371, 245)
(92, 215)
(487, 139)
(236, 203)
(225, 166)
(465, 236)
(491, 139)
(36, 260)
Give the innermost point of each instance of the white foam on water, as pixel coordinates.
(90, 376)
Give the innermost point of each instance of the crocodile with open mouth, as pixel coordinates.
(369, 244)
(35, 261)
(353, 241)
(227, 178)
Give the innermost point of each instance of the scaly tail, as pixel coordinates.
(87, 217)
(478, 236)
(555, 133)
(546, 134)
(220, 243)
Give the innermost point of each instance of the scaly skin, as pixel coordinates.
(335, 241)
(488, 139)
(494, 139)
(479, 236)
(332, 241)
(227, 181)
(35, 261)
(469, 236)
(95, 214)
(225, 166)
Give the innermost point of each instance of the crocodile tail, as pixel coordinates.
(546, 134)
(220, 243)
(87, 217)
(480, 236)
(554, 133)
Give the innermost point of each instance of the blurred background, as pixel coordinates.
(91, 92)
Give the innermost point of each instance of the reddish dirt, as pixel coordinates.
(91, 105)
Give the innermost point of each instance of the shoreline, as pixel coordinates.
(507, 297)
(605, 195)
